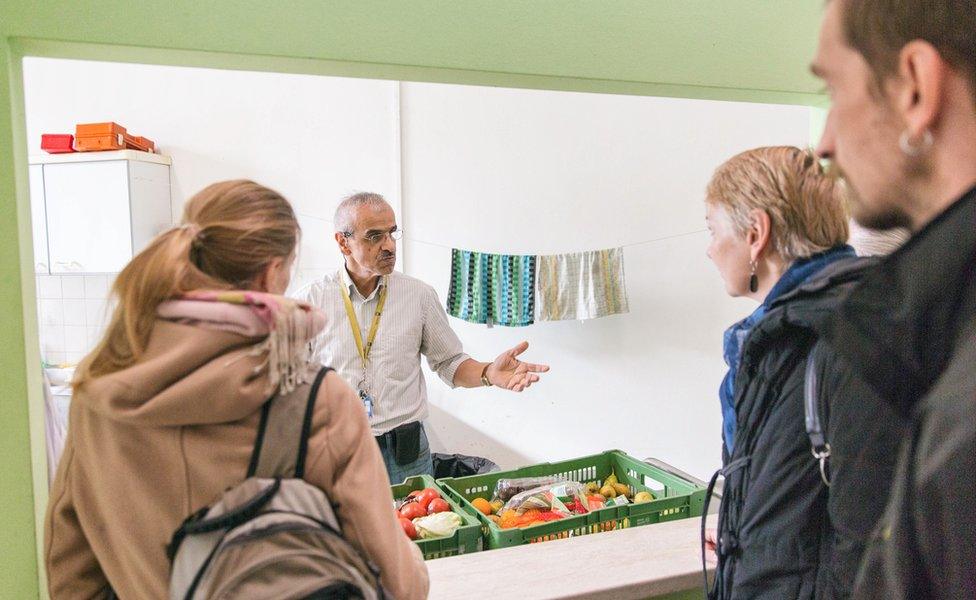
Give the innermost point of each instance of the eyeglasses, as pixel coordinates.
(377, 237)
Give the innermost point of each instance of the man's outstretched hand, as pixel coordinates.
(513, 374)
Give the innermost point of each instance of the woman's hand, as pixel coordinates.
(711, 546)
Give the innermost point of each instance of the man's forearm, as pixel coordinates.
(468, 373)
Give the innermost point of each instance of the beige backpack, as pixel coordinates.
(273, 535)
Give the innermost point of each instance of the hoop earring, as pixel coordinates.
(753, 279)
(912, 150)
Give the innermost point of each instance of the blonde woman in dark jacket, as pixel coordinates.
(779, 232)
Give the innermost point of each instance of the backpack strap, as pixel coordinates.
(307, 422)
(282, 440)
(710, 590)
(819, 446)
(727, 541)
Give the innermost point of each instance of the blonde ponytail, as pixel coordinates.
(230, 232)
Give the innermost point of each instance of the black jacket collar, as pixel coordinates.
(899, 326)
(807, 308)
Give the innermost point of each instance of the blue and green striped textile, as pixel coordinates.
(494, 289)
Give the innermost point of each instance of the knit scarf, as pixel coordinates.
(286, 325)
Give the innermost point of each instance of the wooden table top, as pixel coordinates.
(639, 562)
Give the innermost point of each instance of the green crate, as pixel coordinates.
(675, 498)
(466, 539)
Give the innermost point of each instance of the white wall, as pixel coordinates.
(314, 139)
(513, 171)
(539, 172)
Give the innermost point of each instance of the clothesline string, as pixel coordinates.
(435, 244)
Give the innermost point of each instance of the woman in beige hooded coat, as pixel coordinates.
(165, 411)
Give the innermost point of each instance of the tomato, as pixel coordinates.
(412, 511)
(426, 495)
(438, 505)
(408, 528)
(406, 501)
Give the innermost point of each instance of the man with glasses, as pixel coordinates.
(380, 321)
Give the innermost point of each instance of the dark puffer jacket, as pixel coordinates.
(780, 536)
(909, 331)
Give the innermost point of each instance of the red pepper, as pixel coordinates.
(577, 507)
(549, 515)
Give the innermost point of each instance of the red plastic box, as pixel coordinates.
(57, 143)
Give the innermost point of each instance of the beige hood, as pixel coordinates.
(153, 443)
(188, 375)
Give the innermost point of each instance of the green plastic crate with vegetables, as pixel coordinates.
(465, 538)
(571, 497)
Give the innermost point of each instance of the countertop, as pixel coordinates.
(77, 157)
(640, 562)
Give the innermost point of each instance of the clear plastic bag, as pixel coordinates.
(551, 497)
(506, 489)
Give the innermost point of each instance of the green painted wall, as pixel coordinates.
(18, 567)
(737, 49)
(749, 50)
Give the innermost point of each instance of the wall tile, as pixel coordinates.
(96, 313)
(73, 286)
(50, 312)
(97, 286)
(75, 338)
(74, 312)
(93, 336)
(74, 357)
(55, 358)
(52, 339)
(48, 286)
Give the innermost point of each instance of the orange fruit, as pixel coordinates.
(509, 519)
(483, 506)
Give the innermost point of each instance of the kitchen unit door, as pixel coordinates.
(89, 226)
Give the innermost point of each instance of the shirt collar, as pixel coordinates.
(353, 290)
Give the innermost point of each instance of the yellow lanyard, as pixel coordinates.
(363, 350)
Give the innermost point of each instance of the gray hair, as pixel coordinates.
(345, 215)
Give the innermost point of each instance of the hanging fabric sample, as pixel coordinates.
(581, 285)
(494, 289)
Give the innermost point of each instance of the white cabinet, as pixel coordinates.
(98, 209)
